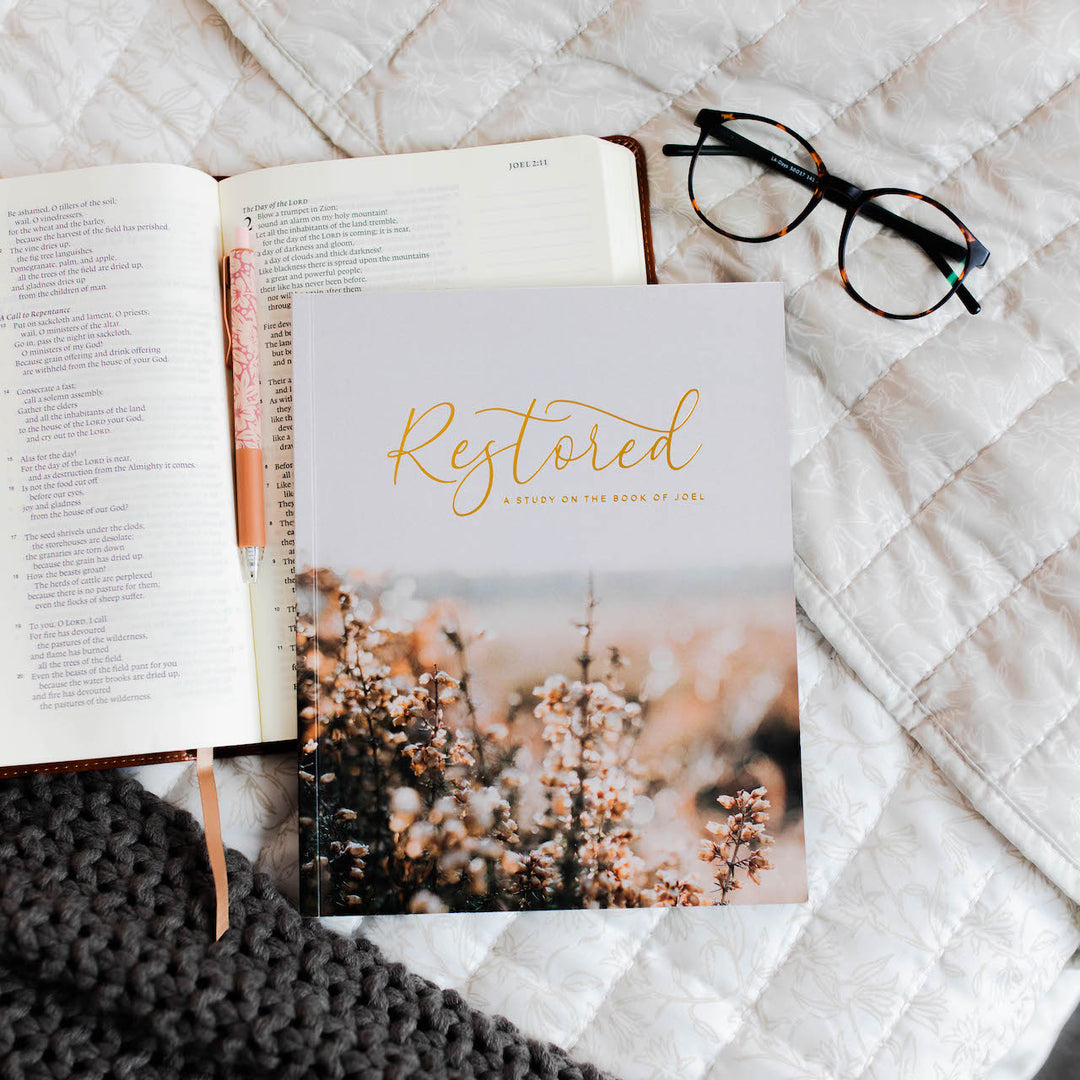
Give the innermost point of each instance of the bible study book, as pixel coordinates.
(546, 652)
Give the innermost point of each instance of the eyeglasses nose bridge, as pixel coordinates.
(840, 191)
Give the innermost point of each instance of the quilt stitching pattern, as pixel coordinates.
(112, 79)
(1017, 588)
(698, 80)
(187, 141)
(817, 1070)
(924, 716)
(302, 74)
(912, 992)
(1058, 725)
(492, 947)
(991, 1052)
(212, 120)
(769, 1036)
(224, 100)
(797, 929)
(910, 519)
(818, 681)
(573, 1041)
(1026, 818)
(388, 53)
(386, 57)
(1002, 795)
(906, 521)
(553, 52)
(106, 75)
(761, 1031)
(799, 924)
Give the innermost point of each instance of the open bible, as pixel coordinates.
(128, 631)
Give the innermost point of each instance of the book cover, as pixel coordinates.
(545, 641)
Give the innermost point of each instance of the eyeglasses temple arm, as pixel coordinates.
(927, 239)
(969, 301)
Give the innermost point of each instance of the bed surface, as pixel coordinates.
(936, 481)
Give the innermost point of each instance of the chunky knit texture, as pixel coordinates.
(108, 965)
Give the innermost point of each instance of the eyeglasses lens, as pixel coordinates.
(742, 195)
(903, 255)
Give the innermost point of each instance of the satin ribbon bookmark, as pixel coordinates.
(204, 769)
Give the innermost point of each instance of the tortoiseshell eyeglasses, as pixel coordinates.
(901, 254)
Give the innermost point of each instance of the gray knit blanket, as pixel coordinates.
(108, 965)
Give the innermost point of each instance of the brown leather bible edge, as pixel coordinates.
(638, 151)
(123, 761)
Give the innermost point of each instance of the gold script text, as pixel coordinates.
(560, 434)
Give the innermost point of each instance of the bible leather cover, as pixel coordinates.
(638, 151)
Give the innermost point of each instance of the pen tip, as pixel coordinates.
(249, 557)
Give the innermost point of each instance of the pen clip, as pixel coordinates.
(226, 295)
(226, 291)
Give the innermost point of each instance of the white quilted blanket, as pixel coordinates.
(936, 477)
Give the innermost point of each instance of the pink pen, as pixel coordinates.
(250, 511)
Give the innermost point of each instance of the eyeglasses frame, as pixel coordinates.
(851, 197)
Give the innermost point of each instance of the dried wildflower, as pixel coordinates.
(673, 891)
(407, 826)
(739, 842)
(419, 790)
(538, 876)
(591, 782)
(425, 902)
(405, 805)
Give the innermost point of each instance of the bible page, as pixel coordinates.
(552, 212)
(126, 622)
